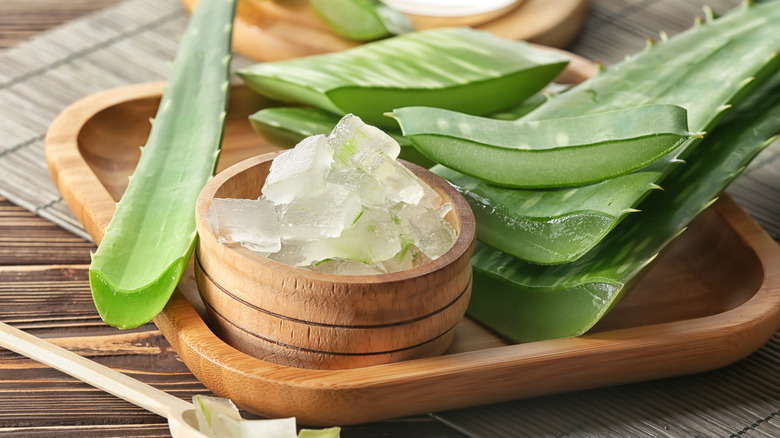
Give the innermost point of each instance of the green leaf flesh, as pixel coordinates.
(152, 234)
(361, 20)
(527, 302)
(548, 153)
(460, 69)
(517, 221)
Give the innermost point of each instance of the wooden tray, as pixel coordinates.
(712, 299)
(271, 31)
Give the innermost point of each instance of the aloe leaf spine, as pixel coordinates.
(152, 234)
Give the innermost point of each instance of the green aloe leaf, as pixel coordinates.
(527, 302)
(524, 214)
(361, 20)
(454, 68)
(152, 234)
(705, 70)
(560, 152)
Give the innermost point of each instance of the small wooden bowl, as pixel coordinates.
(296, 317)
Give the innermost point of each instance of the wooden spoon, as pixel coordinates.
(180, 414)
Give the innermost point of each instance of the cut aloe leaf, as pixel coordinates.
(461, 69)
(558, 152)
(152, 234)
(288, 126)
(361, 20)
(527, 302)
(517, 221)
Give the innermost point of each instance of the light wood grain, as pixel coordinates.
(297, 317)
(272, 31)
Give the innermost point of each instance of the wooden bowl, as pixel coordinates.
(296, 317)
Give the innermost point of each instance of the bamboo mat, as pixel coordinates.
(135, 41)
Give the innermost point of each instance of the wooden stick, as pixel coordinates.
(99, 376)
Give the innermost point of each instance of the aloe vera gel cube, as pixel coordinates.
(368, 188)
(399, 183)
(351, 136)
(426, 228)
(251, 222)
(322, 214)
(299, 171)
(374, 237)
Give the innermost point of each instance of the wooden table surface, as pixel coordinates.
(39, 262)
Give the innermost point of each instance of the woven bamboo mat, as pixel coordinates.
(135, 41)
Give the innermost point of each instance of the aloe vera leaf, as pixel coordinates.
(526, 302)
(704, 70)
(559, 152)
(361, 20)
(460, 69)
(152, 234)
(524, 214)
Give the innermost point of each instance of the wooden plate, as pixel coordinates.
(271, 31)
(712, 299)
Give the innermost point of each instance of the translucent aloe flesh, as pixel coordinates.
(527, 302)
(361, 20)
(152, 234)
(560, 152)
(704, 70)
(454, 68)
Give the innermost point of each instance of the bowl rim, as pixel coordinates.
(465, 240)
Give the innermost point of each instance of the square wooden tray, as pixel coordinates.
(712, 299)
